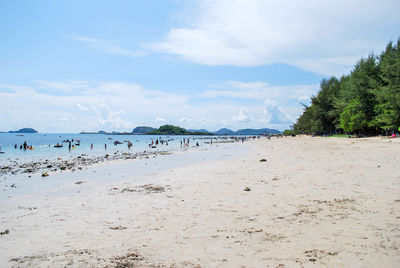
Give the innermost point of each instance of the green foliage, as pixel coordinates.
(289, 132)
(169, 130)
(366, 100)
(388, 95)
(338, 136)
(174, 130)
(353, 117)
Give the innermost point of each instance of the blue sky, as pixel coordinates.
(68, 66)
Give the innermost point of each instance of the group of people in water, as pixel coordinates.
(154, 144)
(184, 142)
(24, 146)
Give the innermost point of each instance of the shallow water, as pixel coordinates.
(31, 187)
(43, 144)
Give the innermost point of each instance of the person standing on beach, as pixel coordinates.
(91, 146)
(105, 146)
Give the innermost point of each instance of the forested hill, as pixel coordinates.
(365, 101)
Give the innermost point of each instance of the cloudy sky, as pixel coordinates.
(68, 66)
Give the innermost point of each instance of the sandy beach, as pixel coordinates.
(331, 202)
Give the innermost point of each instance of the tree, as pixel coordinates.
(321, 115)
(359, 87)
(388, 95)
(353, 117)
(325, 111)
(366, 100)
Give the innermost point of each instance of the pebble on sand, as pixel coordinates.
(5, 232)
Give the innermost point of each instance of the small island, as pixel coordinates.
(174, 130)
(143, 130)
(24, 130)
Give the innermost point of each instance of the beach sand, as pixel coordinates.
(314, 202)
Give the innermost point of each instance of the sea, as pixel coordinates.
(89, 144)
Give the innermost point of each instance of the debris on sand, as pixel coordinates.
(129, 260)
(118, 227)
(43, 166)
(5, 232)
(147, 188)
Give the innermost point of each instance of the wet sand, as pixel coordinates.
(313, 202)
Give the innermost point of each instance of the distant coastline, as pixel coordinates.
(22, 130)
(169, 130)
(175, 130)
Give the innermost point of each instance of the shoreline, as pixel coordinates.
(27, 178)
(16, 166)
(314, 201)
(33, 167)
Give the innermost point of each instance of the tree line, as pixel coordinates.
(367, 101)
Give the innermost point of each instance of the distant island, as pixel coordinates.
(24, 130)
(142, 130)
(225, 131)
(175, 130)
(197, 130)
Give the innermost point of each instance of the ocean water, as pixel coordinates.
(43, 144)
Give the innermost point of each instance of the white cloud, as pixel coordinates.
(159, 120)
(107, 105)
(117, 106)
(244, 116)
(303, 98)
(185, 120)
(56, 86)
(321, 36)
(112, 119)
(81, 108)
(109, 47)
(247, 85)
(335, 66)
(259, 90)
(274, 114)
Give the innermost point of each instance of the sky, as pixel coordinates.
(71, 66)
